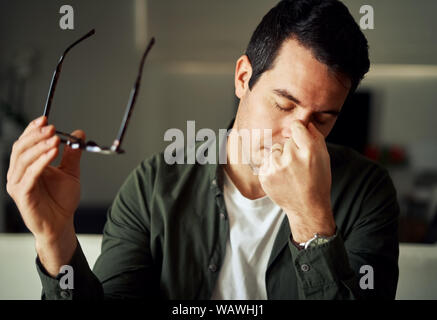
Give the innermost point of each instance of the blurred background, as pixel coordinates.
(189, 76)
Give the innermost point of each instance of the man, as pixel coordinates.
(300, 220)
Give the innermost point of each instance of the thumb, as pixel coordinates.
(70, 161)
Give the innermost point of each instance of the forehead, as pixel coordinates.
(298, 71)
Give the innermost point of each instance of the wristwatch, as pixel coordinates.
(315, 241)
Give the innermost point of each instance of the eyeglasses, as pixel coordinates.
(90, 146)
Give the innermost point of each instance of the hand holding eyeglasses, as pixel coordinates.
(47, 196)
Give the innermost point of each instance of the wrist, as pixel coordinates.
(54, 252)
(315, 241)
(53, 239)
(304, 228)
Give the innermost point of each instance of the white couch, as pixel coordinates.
(19, 279)
(18, 276)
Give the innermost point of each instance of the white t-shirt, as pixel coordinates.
(254, 225)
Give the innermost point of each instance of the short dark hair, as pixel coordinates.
(326, 27)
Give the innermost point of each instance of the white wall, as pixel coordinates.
(404, 110)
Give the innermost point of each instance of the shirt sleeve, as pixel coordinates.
(124, 269)
(81, 282)
(362, 264)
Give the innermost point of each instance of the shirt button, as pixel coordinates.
(305, 267)
(214, 182)
(65, 294)
(212, 268)
(222, 216)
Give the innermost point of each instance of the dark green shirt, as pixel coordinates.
(166, 233)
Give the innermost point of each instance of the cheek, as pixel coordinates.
(250, 108)
(262, 116)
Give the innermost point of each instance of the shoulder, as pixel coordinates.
(363, 192)
(160, 176)
(357, 173)
(346, 159)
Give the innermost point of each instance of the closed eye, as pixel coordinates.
(282, 109)
(323, 118)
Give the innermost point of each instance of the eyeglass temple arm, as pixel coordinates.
(58, 71)
(132, 98)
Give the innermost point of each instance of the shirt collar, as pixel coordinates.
(216, 177)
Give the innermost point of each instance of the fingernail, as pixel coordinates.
(45, 129)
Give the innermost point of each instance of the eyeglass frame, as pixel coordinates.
(90, 146)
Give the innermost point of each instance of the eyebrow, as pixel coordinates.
(287, 95)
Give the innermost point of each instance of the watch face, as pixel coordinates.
(318, 241)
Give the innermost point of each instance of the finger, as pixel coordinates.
(36, 123)
(315, 132)
(277, 147)
(276, 160)
(289, 149)
(31, 155)
(264, 169)
(33, 137)
(276, 154)
(70, 162)
(301, 135)
(36, 169)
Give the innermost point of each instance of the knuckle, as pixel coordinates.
(305, 153)
(24, 159)
(10, 189)
(9, 174)
(42, 145)
(30, 171)
(29, 128)
(15, 145)
(57, 140)
(312, 146)
(311, 149)
(309, 154)
(50, 128)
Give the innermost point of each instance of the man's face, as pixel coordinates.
(298, 87)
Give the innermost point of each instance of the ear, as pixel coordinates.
(243, 73)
